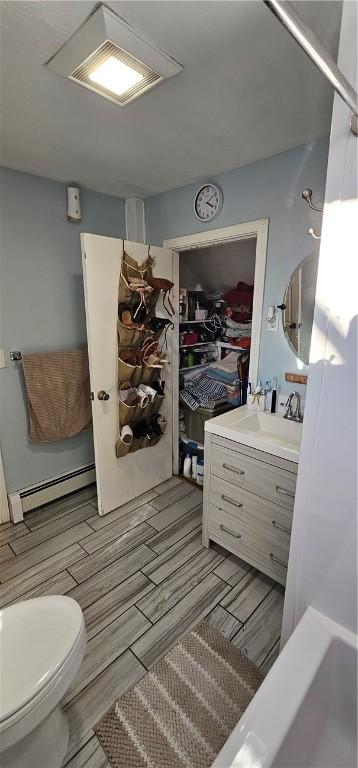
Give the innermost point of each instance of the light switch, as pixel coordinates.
(272, 325)
(2, 358)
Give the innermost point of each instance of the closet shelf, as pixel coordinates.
(220, 344)
(192, 367)
(197, 322)
(198, 344)
(226, 345)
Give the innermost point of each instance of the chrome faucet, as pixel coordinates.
(294, 413)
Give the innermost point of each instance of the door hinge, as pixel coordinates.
(92, 395)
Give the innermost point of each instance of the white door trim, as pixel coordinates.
(258, 229)
(4, 507)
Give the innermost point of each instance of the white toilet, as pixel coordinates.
(42, 643)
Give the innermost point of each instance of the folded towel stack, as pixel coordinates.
(203, 392)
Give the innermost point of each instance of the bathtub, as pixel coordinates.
(304, 715)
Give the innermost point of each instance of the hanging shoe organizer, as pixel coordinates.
(140, 360)
(130, 291)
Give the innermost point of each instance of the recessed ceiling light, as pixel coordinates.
(115, 76)
(109, 57)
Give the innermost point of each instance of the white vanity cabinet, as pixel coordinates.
(248, 503)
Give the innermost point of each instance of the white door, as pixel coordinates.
(119, 480)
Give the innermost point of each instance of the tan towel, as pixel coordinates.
(58, 391)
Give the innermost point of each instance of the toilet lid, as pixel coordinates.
(36, 637)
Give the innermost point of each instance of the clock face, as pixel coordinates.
(208, 202)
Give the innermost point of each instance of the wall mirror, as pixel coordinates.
(299, 300)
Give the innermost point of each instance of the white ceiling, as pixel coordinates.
(246, 92)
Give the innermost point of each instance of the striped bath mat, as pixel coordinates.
(183, 710)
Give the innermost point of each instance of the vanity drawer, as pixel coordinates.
(265, 480)
(263, 516)
(262, 551)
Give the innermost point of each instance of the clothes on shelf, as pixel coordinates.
(240, 299)
(227, 366)
(226, 374)
(202, 391)
(219, 382)
(231, 382)
(234, 330)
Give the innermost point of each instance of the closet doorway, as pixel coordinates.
(215, 271)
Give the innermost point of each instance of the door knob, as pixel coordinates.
(102, 395)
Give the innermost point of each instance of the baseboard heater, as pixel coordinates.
(49, 490)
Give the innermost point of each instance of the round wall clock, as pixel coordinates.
(208, 202)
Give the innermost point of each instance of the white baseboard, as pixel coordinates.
(54, 488)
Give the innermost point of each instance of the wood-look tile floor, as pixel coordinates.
(143, 580)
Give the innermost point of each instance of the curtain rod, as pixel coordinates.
(313, 47)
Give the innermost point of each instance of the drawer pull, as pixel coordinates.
(291, 494)
(227, 530)
(231, 501)
(277, 560)
(281, 527)
(233, 469)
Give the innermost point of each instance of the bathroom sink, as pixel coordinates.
(266, 431)
(267, 426)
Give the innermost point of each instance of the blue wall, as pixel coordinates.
(42, 306)
(271, 189)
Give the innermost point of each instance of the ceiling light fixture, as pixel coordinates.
(115, 76)
(109, 57)
(114, 73)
